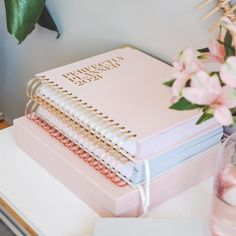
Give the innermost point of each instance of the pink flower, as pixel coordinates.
(228, 72)
(207, 90)
(186, 65)
(231, 26)
(227, 23)
(204, 89)
(223, 115)
(216, 52)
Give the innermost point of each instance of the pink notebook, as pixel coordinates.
(120, 97)
(93, 188)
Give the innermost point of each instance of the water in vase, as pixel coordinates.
(224, 204)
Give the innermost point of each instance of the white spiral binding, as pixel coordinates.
(78, 128)
(104, 128)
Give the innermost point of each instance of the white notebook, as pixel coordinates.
(120, 96)
(147, 227)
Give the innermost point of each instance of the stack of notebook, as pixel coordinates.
(102, 126)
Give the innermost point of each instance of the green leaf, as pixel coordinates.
(169, 83)
(46, 21)
(203, 50)
(234, 119)
(22, 16)
(228, 38)
(214, 73)
(220, 42)
(205, 116)
(229, 49)
(233, 111)
(184, 104)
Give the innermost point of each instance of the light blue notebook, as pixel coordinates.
(170, 159)
(147, 227)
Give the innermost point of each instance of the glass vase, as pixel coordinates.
(223, 217)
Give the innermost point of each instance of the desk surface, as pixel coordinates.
(51, 209)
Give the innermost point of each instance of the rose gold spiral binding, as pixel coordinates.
(34, 84)
(31, 111)
(82, 154)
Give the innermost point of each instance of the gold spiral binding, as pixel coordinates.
(78, 128)
(34, 85)
(78, 151)
(31, 113)
(30, 109)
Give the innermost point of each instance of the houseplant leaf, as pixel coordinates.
(22, 16)
(46, 21)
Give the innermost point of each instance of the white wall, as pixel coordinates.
(90, 27)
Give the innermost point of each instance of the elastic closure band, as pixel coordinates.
(144, 191)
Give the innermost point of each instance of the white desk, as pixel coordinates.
(52, 210)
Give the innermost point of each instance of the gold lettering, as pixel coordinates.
(81, 71)
(93, 72)
(103, 67)
(92, 69)
(120, 58)
(114, 63)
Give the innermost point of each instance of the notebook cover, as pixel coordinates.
(99, 193)
(127, 86)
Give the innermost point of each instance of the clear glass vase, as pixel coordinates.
(223, 217)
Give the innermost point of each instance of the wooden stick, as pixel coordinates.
(231, 10)
(213, 27)
(203, 4)
(226, 13)
(222, 4)
(210, 13)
